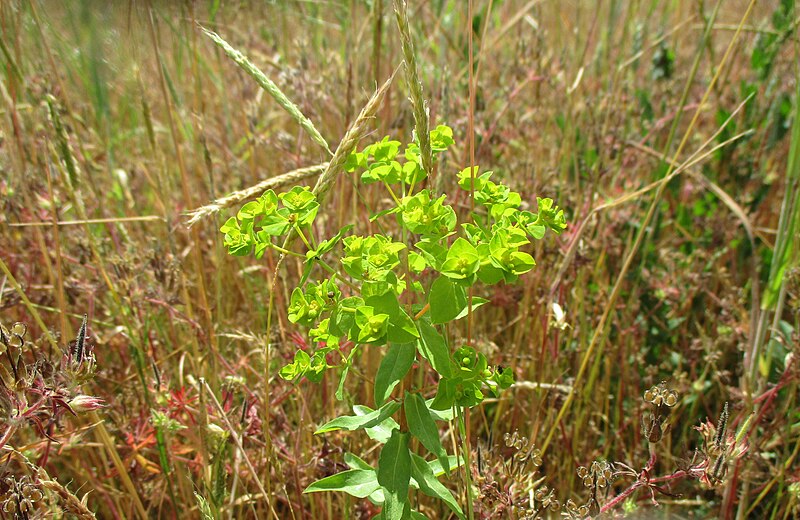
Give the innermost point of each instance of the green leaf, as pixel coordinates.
(250, 210)
(430, 485)
(465, 178)
(441, 138)
(394, 366)
(359, 483)
(394, 476)
(462, 260)
(352, 423)
(440, 415)
(372, 326)
(230, 225)
(342, 322)
(276, 224)
(298, 198)
(423, 427)
(521, 262)
(536, 230)
(382, 431)
(355, 160)
(447, 300)
(353, 461)
(340, 389)
(401, 328)
(436, 466)
(477, 301)
(327, 245)
(445, 395)
(433, 252)
(379, 214)
(432, 346)
(504, 377)
(298, 367)
(416, 262)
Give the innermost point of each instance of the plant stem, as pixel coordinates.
(462, 427)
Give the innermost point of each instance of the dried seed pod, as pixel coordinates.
(536, 458)
(19, 329)
(655, 432)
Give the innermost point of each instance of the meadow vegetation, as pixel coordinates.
(473, 259)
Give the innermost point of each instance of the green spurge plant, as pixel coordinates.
(399, 294)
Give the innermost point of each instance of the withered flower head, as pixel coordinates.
(85, 403)
(659, 395)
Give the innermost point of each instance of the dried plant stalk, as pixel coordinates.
(351, 138)
(418, 103)
(71, 504)
(286, 179)
(271, 88)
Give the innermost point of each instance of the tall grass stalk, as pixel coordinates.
(286, 179)
(418, 103)
(201, 292)
(784, 256)
(271, 88)
(599, 331)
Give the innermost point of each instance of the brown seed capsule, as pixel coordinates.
(671, 399)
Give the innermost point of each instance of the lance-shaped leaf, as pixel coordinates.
(447, 300)
(423, 427)
(432, 346)
(394, 366)
(359, 483)
(394, 476)
(357, 422)
(430, 485)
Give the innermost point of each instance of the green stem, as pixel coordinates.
(391, 192)
(285, 251)
(460, 412)
(302, 236)
(336, 274)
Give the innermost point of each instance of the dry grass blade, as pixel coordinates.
(286, 179)
(420, 107)
(268, 85)
(238, 442)
(71, 503)
(615, 291)
(659, 187)
(144, 218)
(694, 159)
(351, 138)
(735, 208)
